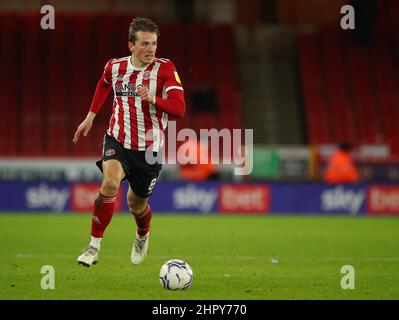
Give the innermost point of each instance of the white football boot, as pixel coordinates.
(140, 248)
(89, 256)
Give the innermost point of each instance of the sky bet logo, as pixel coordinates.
(127, 89)
(341, 199)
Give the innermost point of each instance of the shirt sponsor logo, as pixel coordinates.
(127, 89)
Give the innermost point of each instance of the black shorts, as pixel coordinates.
(141, 175)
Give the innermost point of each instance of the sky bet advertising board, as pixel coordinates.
(210, 197)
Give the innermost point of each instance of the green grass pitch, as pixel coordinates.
(233, 257)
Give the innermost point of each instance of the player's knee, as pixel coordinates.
(137, 206)
(110, 185)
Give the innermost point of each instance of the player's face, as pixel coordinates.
(144, 48)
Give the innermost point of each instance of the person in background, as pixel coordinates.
(194, 170)
(340, 168)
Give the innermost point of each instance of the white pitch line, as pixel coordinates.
(221, 257)
(384, 259)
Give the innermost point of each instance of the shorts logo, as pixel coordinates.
(146, 75)
(110, 152)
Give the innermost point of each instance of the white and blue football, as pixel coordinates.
(176, 274)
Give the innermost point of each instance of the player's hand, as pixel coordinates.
(145, 94)
(84, 128)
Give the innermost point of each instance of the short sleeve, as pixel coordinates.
(107, 74)
(172, 79)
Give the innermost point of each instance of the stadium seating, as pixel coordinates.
(9, 102)
(59, 69)
(363, 98)
(350, 90)
(32, 114)
(57, 128)
(313, 89)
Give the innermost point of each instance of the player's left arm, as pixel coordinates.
(174, 104)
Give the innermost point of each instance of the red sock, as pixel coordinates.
(143, 221)
(102, 214)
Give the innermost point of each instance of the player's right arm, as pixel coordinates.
(103, 89)
(174, 104)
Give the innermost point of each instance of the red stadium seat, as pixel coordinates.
(355, 85)
(368, 119)
(32, 108)
(383, 72)
(337, 86)
(317, 118)
(310, 66)
(9, 75)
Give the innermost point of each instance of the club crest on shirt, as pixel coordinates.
(109, 152)
(146, 75)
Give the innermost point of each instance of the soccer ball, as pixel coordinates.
(176, 274)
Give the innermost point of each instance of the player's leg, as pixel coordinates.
(103, 209)
(142, 213)
(141, 210)
(105, 202)
(142, 179)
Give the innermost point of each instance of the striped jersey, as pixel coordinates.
(135, 123)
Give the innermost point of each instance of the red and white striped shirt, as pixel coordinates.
(133, 118)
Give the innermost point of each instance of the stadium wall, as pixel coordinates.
(211, 198)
